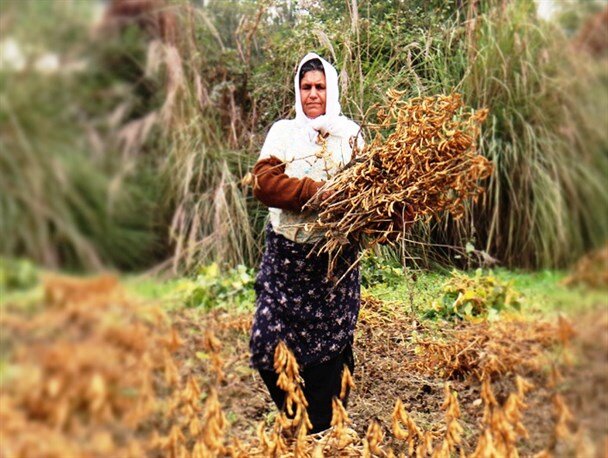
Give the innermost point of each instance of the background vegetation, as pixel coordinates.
(130, 151)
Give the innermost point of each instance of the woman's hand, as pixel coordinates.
(320, 196)
(275, 189)
(325, 195)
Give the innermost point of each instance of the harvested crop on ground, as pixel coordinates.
(421, 162)
(400, 356)
(588, 401)
(462, 350)
(91, 372)
(488, 349)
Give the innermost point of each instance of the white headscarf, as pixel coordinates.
(332, 100)
(332, 121)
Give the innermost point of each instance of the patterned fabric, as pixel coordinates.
(296, 303)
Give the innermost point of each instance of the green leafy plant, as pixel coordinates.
(377, 270)
(212, 288)
(17, 274)
(482, 296)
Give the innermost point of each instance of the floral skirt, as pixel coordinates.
(296, 303)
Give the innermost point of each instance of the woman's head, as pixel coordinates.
(313, 88)
(316, 85)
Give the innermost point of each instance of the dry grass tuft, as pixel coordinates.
(591, 270)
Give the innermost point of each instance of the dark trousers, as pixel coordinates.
(321, 383)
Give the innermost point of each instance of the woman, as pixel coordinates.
(295, 301)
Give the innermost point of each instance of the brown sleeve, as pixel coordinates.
(274, 188)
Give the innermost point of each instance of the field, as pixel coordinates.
(128, 131)
(98, 365)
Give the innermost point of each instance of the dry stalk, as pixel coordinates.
(339, 421)
(453, 435)
(411, 434)
(373, 440)
(502, 424)
(212, 345)
(347, 383)
(293, 419)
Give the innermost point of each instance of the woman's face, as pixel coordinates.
(313, 93)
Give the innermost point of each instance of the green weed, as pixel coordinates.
(211, 288)
(17, 274)
(482, 296)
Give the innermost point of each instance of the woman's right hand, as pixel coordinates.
(325, 195)
(320, 196)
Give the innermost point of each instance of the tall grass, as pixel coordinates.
(135, 159)
(203, 151)
(57, 208)
(63, 199)
(546, 200)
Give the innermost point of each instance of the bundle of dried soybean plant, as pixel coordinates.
(422, 162)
